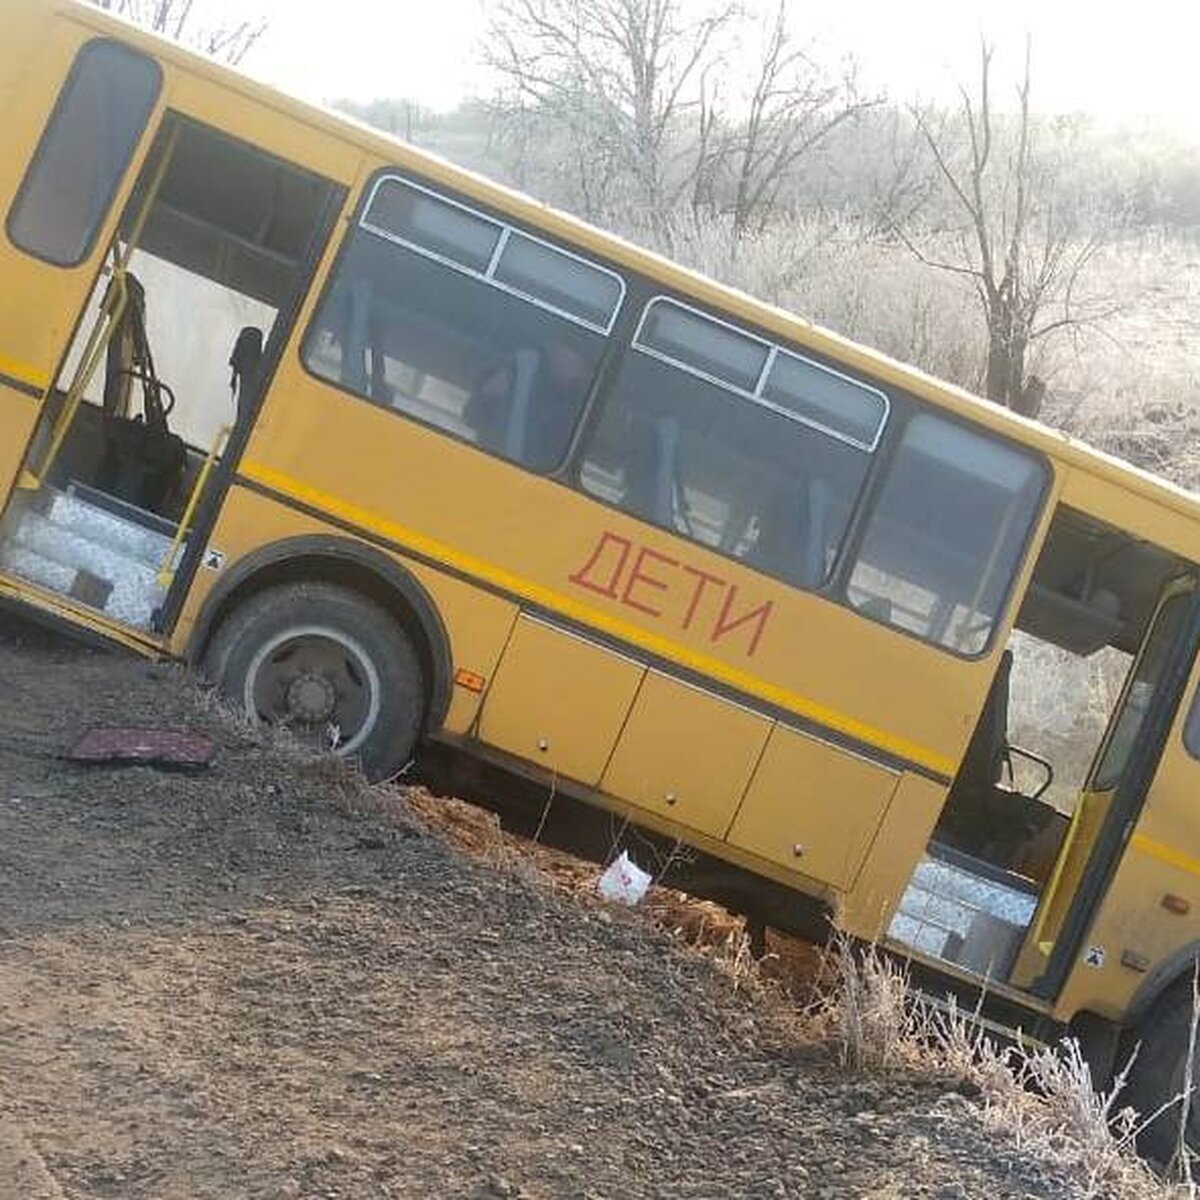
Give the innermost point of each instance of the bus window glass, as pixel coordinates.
(842, 406)
(946, 534)
(698, 343)
(1151, 665)
(84, 152)
(560, 280)
(723, 470)
(453, 350)
(399, 210)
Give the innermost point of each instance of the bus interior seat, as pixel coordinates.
(816, 540)
(666, 475)
(651, 470)
(794, 533)
(363, 360)
(354, 340)
(878, 608)
(526, 364)
(142, 461)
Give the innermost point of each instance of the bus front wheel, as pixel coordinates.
(330, 665)
(1158, 1079)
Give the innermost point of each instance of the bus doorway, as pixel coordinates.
(157, 391)
(1018, 858)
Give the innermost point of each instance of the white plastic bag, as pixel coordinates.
(623, 880)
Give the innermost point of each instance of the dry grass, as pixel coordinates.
(1040, 1098)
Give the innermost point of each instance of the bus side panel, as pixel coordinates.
(853, 795)
(686, 754)
(593, 568)
(900, 841)
(559, 700)
(750, 642)
(812, 807)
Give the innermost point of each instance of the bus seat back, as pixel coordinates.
(526, 364)
(651, 469)
(354, 342)
(812, 560)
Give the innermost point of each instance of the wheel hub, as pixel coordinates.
(311, 698)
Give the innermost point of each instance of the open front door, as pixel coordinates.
(1124, 780)
(209, 262)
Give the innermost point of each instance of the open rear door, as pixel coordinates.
(1124, 780)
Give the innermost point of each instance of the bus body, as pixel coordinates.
(395, 452)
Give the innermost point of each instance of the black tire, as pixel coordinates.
(331, 665)
(1157, 1077)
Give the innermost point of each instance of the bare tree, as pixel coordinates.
(178, 19)
(1004, 224)
(793, 106)
(618, 74)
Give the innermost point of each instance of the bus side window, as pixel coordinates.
(947, 533)
(85, 150)
(713, 433)
(466, 324)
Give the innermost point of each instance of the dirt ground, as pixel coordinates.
(262, 981)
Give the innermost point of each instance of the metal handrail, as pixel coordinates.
(97, 344)
(166, 571)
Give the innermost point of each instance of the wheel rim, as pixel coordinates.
(319, 682)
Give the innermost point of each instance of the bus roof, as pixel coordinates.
(388, 148)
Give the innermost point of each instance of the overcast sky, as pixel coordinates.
(1088, 56)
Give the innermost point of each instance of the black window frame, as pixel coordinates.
(1108, 772)
(774, 348)
(1190, 732)
(35, 161)
(614, 341)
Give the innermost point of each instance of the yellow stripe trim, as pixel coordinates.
(16, 369)
(1164, 853)
(566, 606)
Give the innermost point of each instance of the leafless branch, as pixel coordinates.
(174, 19)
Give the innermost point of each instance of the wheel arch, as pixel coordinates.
(350, 564)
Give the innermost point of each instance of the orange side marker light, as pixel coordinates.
(471, 680)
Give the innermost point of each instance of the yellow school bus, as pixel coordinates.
(396, 454)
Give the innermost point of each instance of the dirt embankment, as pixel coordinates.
(243, 984)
